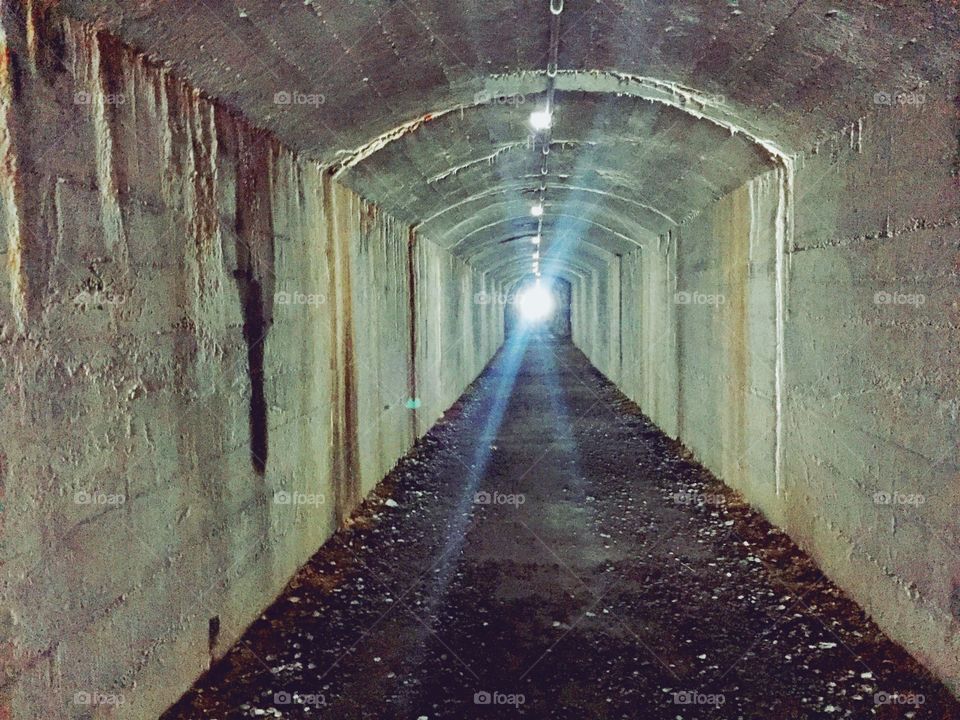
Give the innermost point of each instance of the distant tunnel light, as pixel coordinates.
(536, 304)
(541, 120)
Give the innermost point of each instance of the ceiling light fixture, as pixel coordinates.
(537, 210)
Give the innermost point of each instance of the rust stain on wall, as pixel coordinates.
(11, 189)
(344, 435)
(154, 399)
(351, 447)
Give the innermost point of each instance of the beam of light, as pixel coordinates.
(568, 228)
(504, 369)
(536, 304)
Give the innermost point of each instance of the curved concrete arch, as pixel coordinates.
(563, 275)
(612, 184)
(592, 260)
(519, 186)
(554, 240)
(519, 268)
(463, 235)
(569, 244)
(697, 104)
(511, 279)
(594, 238)
(596, 260)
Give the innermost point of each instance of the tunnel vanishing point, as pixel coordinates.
(454, 359)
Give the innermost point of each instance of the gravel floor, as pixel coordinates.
(556, 556)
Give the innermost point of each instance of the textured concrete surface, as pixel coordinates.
(662, 108)
(235, 232)
(210, 353)
(560, 557)
(800, 338)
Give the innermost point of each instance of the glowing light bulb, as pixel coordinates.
(541, 120)
(537, 210)
(536, 239)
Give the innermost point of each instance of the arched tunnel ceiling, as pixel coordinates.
(620, 170)
(587, 259)
(396, 98)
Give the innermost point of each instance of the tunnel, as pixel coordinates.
(434, 359)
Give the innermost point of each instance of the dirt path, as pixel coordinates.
(558, 557)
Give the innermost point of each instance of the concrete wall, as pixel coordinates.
(595, 317)
(821, 380)
(209, 352)
(873, 381)
(456, 334)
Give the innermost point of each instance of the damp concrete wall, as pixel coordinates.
(456, 333)
(210, 352)
(595, 316)
(821, 379)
